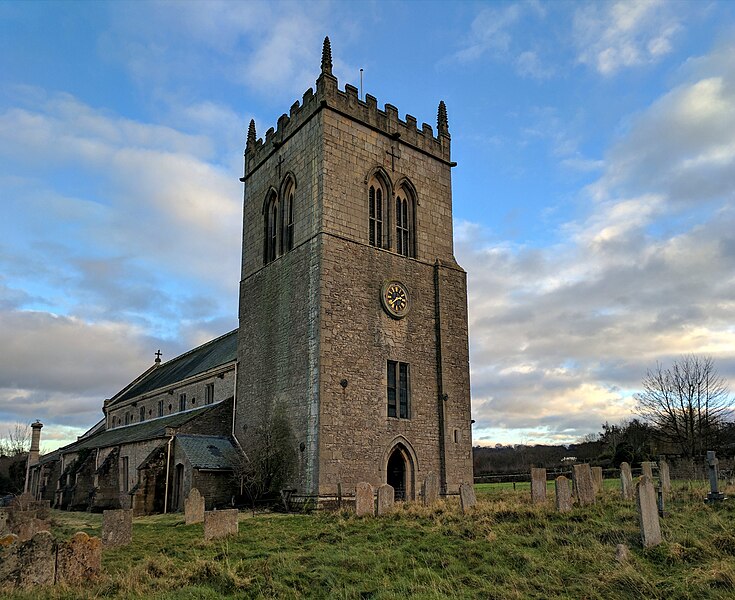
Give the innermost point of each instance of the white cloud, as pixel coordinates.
(565, 333)
(611, 36)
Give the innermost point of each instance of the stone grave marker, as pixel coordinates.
(364, 500)
(714, 476)
(29, 563)
(194, 507)
(648, 512)
(117, 527)
(664, 477)
(220, 523)
(583, 485)
(431, 489)
(597, 479)
(386, 499)
(563, 494)
(647, 469)
(538, 486)
(622, 554)
(467, 497)
(626, 481)
(79, 559)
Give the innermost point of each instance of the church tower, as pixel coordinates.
(353, 310)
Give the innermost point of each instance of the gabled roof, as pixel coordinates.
(147, 430)
(207, 451)
(211, 355)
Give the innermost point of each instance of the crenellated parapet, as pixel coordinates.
(348, 103)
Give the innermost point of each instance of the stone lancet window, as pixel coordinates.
(375, 206)
(209, 393)
(271, 229)
(125, 473)
(182, 402)
(141, 412)
(405, 224)
(287, 216)
(398, 389)
(160, 408)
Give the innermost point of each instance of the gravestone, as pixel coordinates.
(193, 507)
(467, 497)
(538, 486)
(622, 554)
(626, 481)
(23, 502)
(386, 499)
(664, 476)
(117, 527)
(583, 485)
(79, 559)
(29, 563)
(563, 494)
(597, 479)
(364, 500)
(647, 469)
(714, 475)
(648, 512)
(431, 489)
(220, 523)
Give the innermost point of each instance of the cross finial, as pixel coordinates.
(158, 354)
(327, 57)
(442, 123)
(251, 134)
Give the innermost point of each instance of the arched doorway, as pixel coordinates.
(396, 475)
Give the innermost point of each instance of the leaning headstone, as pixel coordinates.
(29, 563)
(597, 479)
(467, 497)
(563, 494)
(28, 526)
(79, 559)
(117, 527)
(583, 485)
(431, 489)
(538, 486)
(664, 477)
(220, 523)
(364, 500)
(714, 474)
(626, 481)
(648, 512)
(647, 469)
(194, 507)
(386, 499)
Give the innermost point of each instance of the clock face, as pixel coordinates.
(395, 299)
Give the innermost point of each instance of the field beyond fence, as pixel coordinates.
(506, 548)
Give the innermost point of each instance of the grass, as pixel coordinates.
(506, 549)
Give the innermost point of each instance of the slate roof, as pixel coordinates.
(207, 356)
(147, 430)
(207, 451)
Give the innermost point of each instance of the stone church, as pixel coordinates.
(352, 324)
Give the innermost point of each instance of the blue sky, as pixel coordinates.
(593, 198)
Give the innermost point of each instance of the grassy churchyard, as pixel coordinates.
(505, 549)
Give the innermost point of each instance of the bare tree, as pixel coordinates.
(16, 441)
(269, 458)
(687, 403)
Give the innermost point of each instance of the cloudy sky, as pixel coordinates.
(594, 199)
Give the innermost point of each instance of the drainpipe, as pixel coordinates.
(168, 463)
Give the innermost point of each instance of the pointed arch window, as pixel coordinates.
(287, 216)
(405, 223)
(271, 229)
(375, 206)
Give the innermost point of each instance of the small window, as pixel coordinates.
(142, 414)
(287, 216)
(124, 474)
(209, 393)
(182, 402)
(271, 230)
(160, 408)
(127, 418)
(398, 389)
